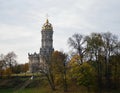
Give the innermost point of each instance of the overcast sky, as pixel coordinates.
(21, 22)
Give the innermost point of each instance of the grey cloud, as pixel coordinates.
(24, 19)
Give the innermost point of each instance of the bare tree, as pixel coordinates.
(77, 42)
(94, 48)
(2, 63)
(10, 60)
(46, 69)
(109, 47)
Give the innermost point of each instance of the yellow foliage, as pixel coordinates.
(7, 72)
(84, 74)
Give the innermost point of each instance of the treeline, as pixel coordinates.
(9, 65)
(94, 62)
(98, 60)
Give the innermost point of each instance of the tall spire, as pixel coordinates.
(47, 21)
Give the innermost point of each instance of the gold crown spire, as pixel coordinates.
(47, 25)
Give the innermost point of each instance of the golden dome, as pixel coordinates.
(47, 26)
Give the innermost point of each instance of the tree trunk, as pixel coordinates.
(50, 82)
(65, 82)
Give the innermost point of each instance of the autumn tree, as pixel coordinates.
(115, 68)
(59, 62)
(109, 46)
(10, 60)
(26, 67)
(17, 69)
(46, 68)
(116, 65)
(102, 51)
(84, 74)
(94, 48)
(54, 69)
(77, 42)
(20, 68)
(2, 64)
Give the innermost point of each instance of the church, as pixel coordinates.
(46, 49)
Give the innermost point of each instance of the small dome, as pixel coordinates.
(47, 26)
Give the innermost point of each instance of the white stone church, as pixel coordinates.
(45, 50)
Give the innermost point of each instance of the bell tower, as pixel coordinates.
(46, 40)
(37, 60)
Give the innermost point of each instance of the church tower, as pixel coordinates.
(46, 41)
(46, 49)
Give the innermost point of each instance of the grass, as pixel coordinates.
(39, 85)
(26, 74)
(33, 90)
(6, 90)
(47, 90)
(28, 90)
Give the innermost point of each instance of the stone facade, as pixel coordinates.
(45, 50)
